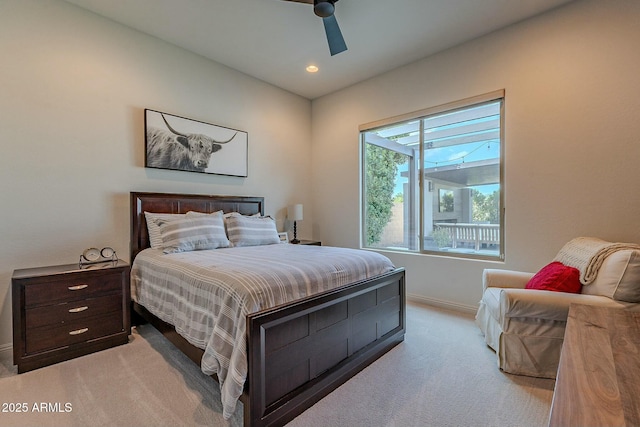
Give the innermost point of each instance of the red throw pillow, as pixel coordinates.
(556, 277)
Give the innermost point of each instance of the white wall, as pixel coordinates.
(572, 145)
(74, 89)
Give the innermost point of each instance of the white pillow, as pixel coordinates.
(230, 214)
(155, 239)
(224, 215)
(618, 277)
(193, 233)
(251, 230)
(196, 213)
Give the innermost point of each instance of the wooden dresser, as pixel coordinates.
(62, 312)
(598, 382)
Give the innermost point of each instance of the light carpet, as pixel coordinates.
(443, 374)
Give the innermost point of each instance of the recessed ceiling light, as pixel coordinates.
(312, 69)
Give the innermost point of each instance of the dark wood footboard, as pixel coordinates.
(301, 352)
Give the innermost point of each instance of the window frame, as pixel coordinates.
(498, 95)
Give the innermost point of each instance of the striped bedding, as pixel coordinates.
(207, 294)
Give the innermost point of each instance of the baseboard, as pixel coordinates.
(442, 303)
(6, 350)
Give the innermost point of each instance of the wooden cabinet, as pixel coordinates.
(62, 312)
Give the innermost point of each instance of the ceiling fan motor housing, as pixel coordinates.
(323, 8)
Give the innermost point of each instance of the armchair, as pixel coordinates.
(525, 327)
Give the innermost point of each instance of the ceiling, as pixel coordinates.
(274, 40)
(482, 172)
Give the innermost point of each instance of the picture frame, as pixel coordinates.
(178, 143)
(284, 237)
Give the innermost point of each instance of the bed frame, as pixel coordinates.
(297, 352)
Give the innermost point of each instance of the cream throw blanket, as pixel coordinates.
(587, 255)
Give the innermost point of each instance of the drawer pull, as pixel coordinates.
(78, 309)
(77, 287)
(79, 331)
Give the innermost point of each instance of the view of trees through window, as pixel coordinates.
(381, 181)
(433, 183)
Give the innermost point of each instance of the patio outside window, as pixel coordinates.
(432, 180)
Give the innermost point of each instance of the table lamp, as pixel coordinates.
(294, 213)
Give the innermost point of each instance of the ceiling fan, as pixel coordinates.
(325, 9)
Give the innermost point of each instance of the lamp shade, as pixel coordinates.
(294, 213)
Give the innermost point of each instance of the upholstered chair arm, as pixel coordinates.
(495, 278)
(547, 305)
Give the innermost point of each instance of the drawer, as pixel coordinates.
(60, 314)
(72, 288)
(46, 338)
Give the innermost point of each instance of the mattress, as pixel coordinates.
(207, 294)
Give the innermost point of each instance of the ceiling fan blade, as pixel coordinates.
(334, 35)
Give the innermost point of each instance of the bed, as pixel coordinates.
(298, 351)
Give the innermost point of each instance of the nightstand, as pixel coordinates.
(61, 312)
(310, 242)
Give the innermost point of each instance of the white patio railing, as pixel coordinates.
(474, 234)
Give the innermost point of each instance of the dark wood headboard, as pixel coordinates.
(182, 203)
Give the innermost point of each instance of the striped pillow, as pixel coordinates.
(193, 233)
(251, 230)
(155, 239)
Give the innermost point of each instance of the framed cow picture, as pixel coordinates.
(178, 143)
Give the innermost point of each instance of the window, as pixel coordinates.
(432, 180)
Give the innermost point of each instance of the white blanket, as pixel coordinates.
(207, 294)
(587, 255)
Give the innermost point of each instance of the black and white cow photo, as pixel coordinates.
(178, 143)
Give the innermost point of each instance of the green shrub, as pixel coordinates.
(441, 237)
